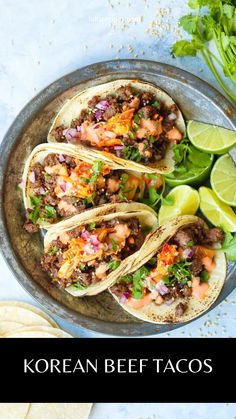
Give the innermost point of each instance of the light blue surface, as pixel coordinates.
(41, 41)
(163, 411)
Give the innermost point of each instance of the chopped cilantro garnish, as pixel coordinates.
(127, 278)
(190, 243)
(34, 200)
(136, 119)
(86, 180)
(78, 285)
(122, 197)
(204, 276)
(150, 138)
(156, 104)
(92, 226)
(50, 211)
(115, 245)
(124, 177)
(138, 276)
(96, 170)
(113, 264)
(152, 261)
(178, 272)
(34, 215)
(131, 134)
(132, 153)
(74, 199)
(53, 251)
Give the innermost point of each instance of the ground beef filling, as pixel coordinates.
(94, 271)
(136, 144)
(187, 239)
(53, 206)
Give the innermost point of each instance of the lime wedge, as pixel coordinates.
(223, 180)
(210, 138)
(186, 202)
(216, 211)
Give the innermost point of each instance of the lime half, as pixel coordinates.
(223, 180)
(196, 179)
(186, 202)
(216, 211)
(210, 138)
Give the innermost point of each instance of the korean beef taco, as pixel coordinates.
(131, 123)
(179, 276)
(86, 253)
(60, 182)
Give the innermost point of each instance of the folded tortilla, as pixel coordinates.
(73, 106)
(147, 218)
(41, 151)
(163, 313)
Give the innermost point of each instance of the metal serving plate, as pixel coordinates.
(22, 251)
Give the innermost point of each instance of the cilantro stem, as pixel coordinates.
(207, 58)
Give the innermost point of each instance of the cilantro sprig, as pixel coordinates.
(154, 197)
(229, 245)
(219, 25)
(189, 161)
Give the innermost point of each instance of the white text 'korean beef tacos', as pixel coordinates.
(86, 254)
(131, 123)
(60, 182)
(179, 276)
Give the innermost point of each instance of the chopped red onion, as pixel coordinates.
(103, 105)
(98, 114)
(96, 126)
(62, 158)
(62, 184)
(124, 297)
(68, 186)
(94, 239)
(162, 289)
(111, 134)
(88, 248)
(78, 128)
(172, 116)
(188, 253)
(42, 190)
(119, 147)
(70, 133)
(85, 235)
(32, 177)
(169, 302)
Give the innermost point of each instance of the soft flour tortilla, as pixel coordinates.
(73, 106)
(37, 332)
(14, 410)
(59, 411)
(41, 151)
(166, 314)
(25, 314)
(146, 216)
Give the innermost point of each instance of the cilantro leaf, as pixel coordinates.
(53, 251)
(96, 170)
(189, 23)
(34, 215)
(113, 264)
(50, 211)
(34, 200)
(138, 276)
(229, 245)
